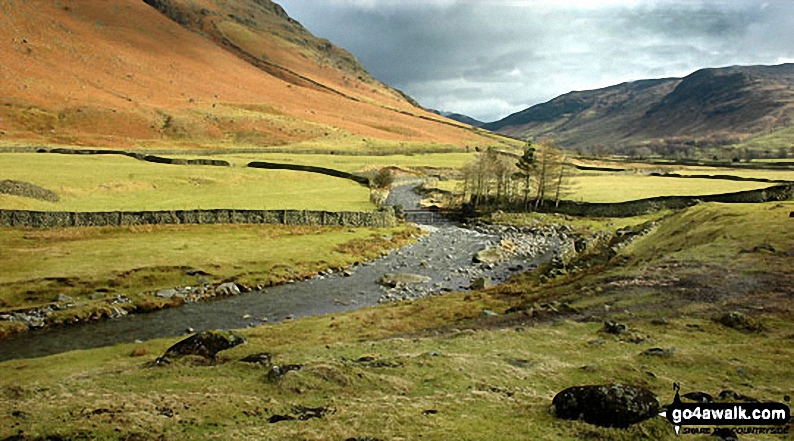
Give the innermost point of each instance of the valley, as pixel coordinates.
(216, 225)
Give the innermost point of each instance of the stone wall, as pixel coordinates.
(54, 219)
(783, 192)
(27, 190)
(139, 156)
(310, 169)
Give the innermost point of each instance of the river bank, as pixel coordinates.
(444, 260)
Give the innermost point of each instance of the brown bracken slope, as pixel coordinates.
(190, 73)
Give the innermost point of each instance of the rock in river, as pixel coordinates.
(227, 289)
(488, 255)
(614, 405)
(395, 280)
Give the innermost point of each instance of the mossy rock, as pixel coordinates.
(740, 322)
(614, 405)
(206, 344)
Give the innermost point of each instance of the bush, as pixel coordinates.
(383, 179)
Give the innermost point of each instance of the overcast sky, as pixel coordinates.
(490, 58)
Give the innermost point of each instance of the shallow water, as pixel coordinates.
(444, 255)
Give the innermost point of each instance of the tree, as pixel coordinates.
(551, 177)
(384, 178)
(525, 165)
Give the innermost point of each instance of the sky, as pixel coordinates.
(490, 58)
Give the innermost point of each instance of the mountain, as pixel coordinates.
(465, 119)
(717, 106)
(191, 73)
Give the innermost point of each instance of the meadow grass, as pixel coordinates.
(109, 183)
(770, 143)
(591, 186)
(627, 187)
(781, 175)
(38, 265)
(438, 368)
(355, 163)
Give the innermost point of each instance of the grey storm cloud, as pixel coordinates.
(490, 58)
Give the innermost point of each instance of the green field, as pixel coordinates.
(770, 143)
(355, 163)
(39, 265)
(621, 187)
(440, 369)
(627, 187)
(780, 175)
(108, 183)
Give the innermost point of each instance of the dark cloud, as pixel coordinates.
(490, 58)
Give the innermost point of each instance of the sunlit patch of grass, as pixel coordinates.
(38, 265)
(437, 387)
(627, 187)
(108, 183)
(447, 371)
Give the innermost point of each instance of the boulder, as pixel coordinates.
(481, 283)
(488, 255)
(396, 280)
(659, 352)
(614, 405)
(614, 328)
(262, 358)
(166, 293)
(227, 289)
(740, 322)
(206, 344)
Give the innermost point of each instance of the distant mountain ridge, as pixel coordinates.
(712, 105)
(465, 119)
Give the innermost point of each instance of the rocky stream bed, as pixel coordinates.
(448, 258)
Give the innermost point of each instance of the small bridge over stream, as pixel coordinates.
(431, 217)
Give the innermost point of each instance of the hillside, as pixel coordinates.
(710, 106)
(465, 119)
(702, 299)
(241, 73)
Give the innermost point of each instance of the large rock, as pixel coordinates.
(740, 322)
(606, 405)
(488, 255)
(206, 344)
(227, 289)
(481, 283)
(395, 280)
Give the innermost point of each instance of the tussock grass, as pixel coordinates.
(38, 265)
(446, 371)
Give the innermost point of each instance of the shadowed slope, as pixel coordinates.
(723, 105)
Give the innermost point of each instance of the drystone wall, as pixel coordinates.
(27, 190)
(139, 156)
(54, 219)
(310, 169)
(783, 192)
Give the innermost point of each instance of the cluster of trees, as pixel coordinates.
(714, 147)
(498, 179)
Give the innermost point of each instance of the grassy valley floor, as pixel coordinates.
(91, 265)
(441, 368)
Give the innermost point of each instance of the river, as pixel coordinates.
(443, 257)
